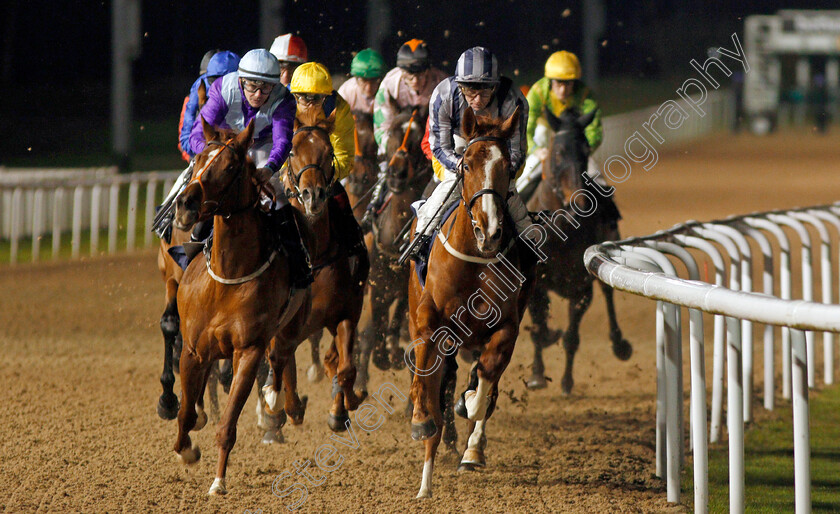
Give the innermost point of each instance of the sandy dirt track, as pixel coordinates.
(82, 353)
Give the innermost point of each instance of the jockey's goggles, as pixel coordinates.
(252, 87)
(309, 99)
(474, 90)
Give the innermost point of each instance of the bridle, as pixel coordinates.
(294, 178)
(402, 151)
(225, 191)
(481, 192)
(554, 175)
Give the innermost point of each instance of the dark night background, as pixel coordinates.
(56, 54)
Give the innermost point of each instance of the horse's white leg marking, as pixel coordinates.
(474, 454)
(201, 419)
(218, 487)
(426, 484)
(261, 413)
(487, 203)
(272, 398)
(476, 401)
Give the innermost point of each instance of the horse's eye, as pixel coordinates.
(466, 167)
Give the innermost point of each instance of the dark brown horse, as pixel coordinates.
(476, 292)
(340, 278)
(583, 214)
(359, 185)
(232, 302)
(408, 173)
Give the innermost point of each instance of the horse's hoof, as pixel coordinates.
(315, 373)
(623, 350)
(272, 436)
(397, 358)
(190, 455)
(338, 423)
(381, 359)
(423, 431)
(218, 487)
(297, 416)
(424, 493)
(536, 382)
(461, 407)
(566, 385)
(472, 459)
(353, 402)
(200, 419)
(168, 406)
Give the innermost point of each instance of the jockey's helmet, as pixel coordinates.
(222, 63)
(259, 64)
(368, 64)
(477, 65)
(413, 56)
(202, 69)
(289, 47)
(312, 78)
(562, 65)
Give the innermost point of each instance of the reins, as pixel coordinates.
(225, 190)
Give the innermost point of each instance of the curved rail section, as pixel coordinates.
(755, 245)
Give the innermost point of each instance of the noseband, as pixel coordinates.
(481, 192)
(294, 178)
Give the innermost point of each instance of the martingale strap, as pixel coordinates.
(241, 280)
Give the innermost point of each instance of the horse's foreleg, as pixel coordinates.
(246, 371)
(344, 397)
(571, 339)
(295, 407)
(192, 381)
(427, 417)
(621, 347)
(315, 373)
(379, 303)
(492, 363)
(447, 393)
(363, 356)
(170, 326)
(538, 305)
(476, 443)
(268, 419)
(212, 390)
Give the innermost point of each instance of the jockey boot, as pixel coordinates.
(286, 229)
(343, 222)
(200, 232)
(377, 198)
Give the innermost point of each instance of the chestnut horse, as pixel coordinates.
(339, 278)
(232, 302)
(359, 185)
(476, 292)
(562, 182)
(408, 173)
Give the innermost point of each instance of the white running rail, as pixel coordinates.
(641, 266)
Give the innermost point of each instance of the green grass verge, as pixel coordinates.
(769, 462)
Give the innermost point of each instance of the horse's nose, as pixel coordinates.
(496, 236)
(321, 194)
(479, 235)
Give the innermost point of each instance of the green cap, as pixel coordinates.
(368, 64)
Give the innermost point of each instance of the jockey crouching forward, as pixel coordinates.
(312, 87)
(366, 71)
(477, 86)
(253, 93)
(410, 84)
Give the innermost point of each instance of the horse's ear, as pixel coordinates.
(392, 104)
(329, 122)
(553, 121)
(587, 118)
(469, 125)
(210, 133)
(510, 124)
(246, 137)
(202, 94)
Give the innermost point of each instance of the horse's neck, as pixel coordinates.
(238, 244)
(550, 197)
(319, 227)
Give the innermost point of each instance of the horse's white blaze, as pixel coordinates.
(212, 155)
(426, 484)
(272, 398)
(477, 401)
(487, 203)
(218, 486)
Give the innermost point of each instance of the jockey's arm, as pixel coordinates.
(382, 116)
(441, 137)
(519, 140)
(594, 132)
(536, 103)
(342, 140)
(189, 114)
(213, 113)
(282, 125)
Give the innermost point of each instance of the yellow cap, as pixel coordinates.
(562, 65)
(312, 78)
